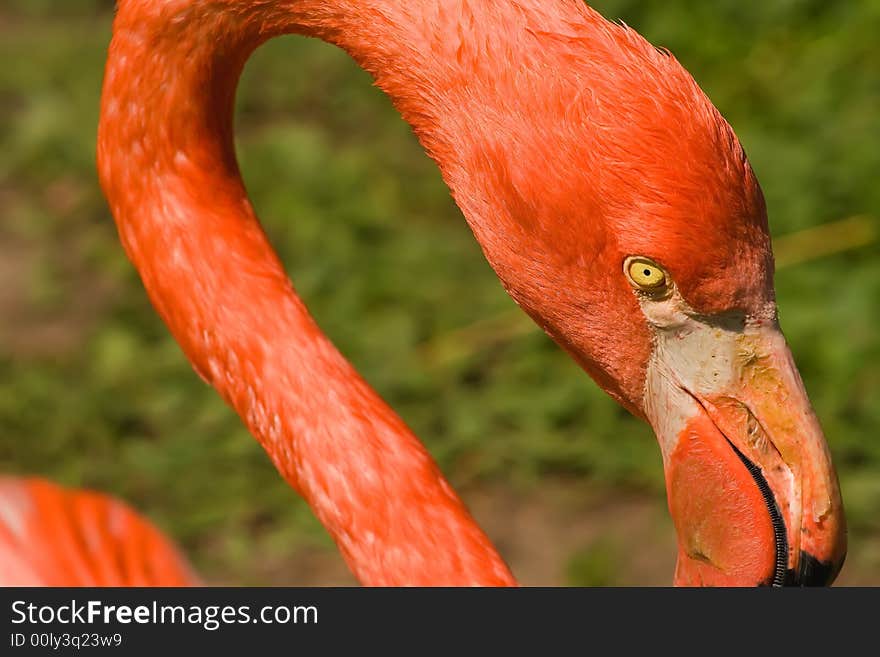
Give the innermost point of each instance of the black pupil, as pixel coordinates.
(647, 272)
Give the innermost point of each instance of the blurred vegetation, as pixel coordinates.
(94, 392)
(594, 565)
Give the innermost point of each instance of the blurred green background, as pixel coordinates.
(93, 391)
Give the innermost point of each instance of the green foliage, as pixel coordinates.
(94, 392)
(594, 565)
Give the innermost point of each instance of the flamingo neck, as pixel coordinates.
(167, 166)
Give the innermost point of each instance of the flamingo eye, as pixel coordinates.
(646, 275)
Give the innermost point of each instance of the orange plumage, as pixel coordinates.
(572, 146)
(54, 536)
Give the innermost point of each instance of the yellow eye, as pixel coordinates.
(646, 275)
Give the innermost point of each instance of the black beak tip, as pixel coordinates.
(812, 572)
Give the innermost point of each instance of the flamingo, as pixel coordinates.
(613, 201)
(55, 536)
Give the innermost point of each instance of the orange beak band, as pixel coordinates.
(726, 533)
(750, 484)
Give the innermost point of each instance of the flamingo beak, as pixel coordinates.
(750, 483)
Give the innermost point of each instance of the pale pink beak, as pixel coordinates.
(750, 483)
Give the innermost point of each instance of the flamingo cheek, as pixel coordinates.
(725, 532)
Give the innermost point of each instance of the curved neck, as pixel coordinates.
(168, 169)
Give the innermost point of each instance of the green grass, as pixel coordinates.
(94, 392)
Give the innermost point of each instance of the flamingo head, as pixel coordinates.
(619, 210)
